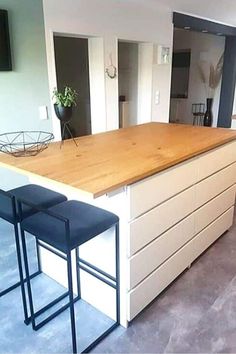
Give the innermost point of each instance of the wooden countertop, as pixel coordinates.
(104, 162)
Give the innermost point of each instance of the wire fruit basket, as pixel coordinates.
(25, 143)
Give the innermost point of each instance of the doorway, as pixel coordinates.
(228, 80)
(128, 83)
(72, 69)
(196, 75)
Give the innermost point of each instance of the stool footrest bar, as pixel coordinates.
(51, 249)
(105, 274)
(53, 315)
(100, 338)
(12, 287)
(99, 277)
(52, 303)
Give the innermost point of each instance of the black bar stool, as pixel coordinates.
(65, 227)
(40, 196)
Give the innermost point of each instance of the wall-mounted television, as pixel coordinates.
(5, 50)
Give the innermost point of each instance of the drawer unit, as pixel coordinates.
(152, 256)
(148, 226)
(215, 184)
(154, 190)
(153, 285)
(148, 193)
(216, 159)
(213, 209)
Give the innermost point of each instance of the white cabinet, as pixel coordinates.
(152, 256)
(213, 209)
(215, 184)
(157, 281)
(213, 161)
(174, 216)
(148, 193)
(153, 223)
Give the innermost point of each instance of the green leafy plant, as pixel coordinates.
(66, 98)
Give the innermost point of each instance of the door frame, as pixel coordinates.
(97, 120)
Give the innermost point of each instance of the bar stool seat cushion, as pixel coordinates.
(86, 222)
(39, 196)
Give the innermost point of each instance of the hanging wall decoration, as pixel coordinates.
(210, 76)
(111, 70)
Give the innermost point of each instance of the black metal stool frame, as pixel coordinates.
(19, 259)
(33, 314)
(113, 282)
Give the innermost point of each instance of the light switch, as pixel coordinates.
(43, 112)
(164, 55)
(157, 97)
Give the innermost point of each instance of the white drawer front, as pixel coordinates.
(216, 159)
(150, 225)
(145, 292)
(214, 185)
(213, 209)
(152, 256)
(154, 190)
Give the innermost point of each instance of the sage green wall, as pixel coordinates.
(25, 88)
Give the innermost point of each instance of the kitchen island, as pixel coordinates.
(173, 187)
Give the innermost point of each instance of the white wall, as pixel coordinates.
(145, 71)
(212, 47)
(161, 79)
(111, 19)
(97, 85)
(25, 88)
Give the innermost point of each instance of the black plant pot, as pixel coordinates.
(208, 117)
(63, 113)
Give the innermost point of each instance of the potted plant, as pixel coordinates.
(64, 102)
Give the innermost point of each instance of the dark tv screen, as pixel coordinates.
(5, 51)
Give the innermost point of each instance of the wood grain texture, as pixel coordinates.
(104, 162)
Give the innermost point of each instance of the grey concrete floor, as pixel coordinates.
(196, 314)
